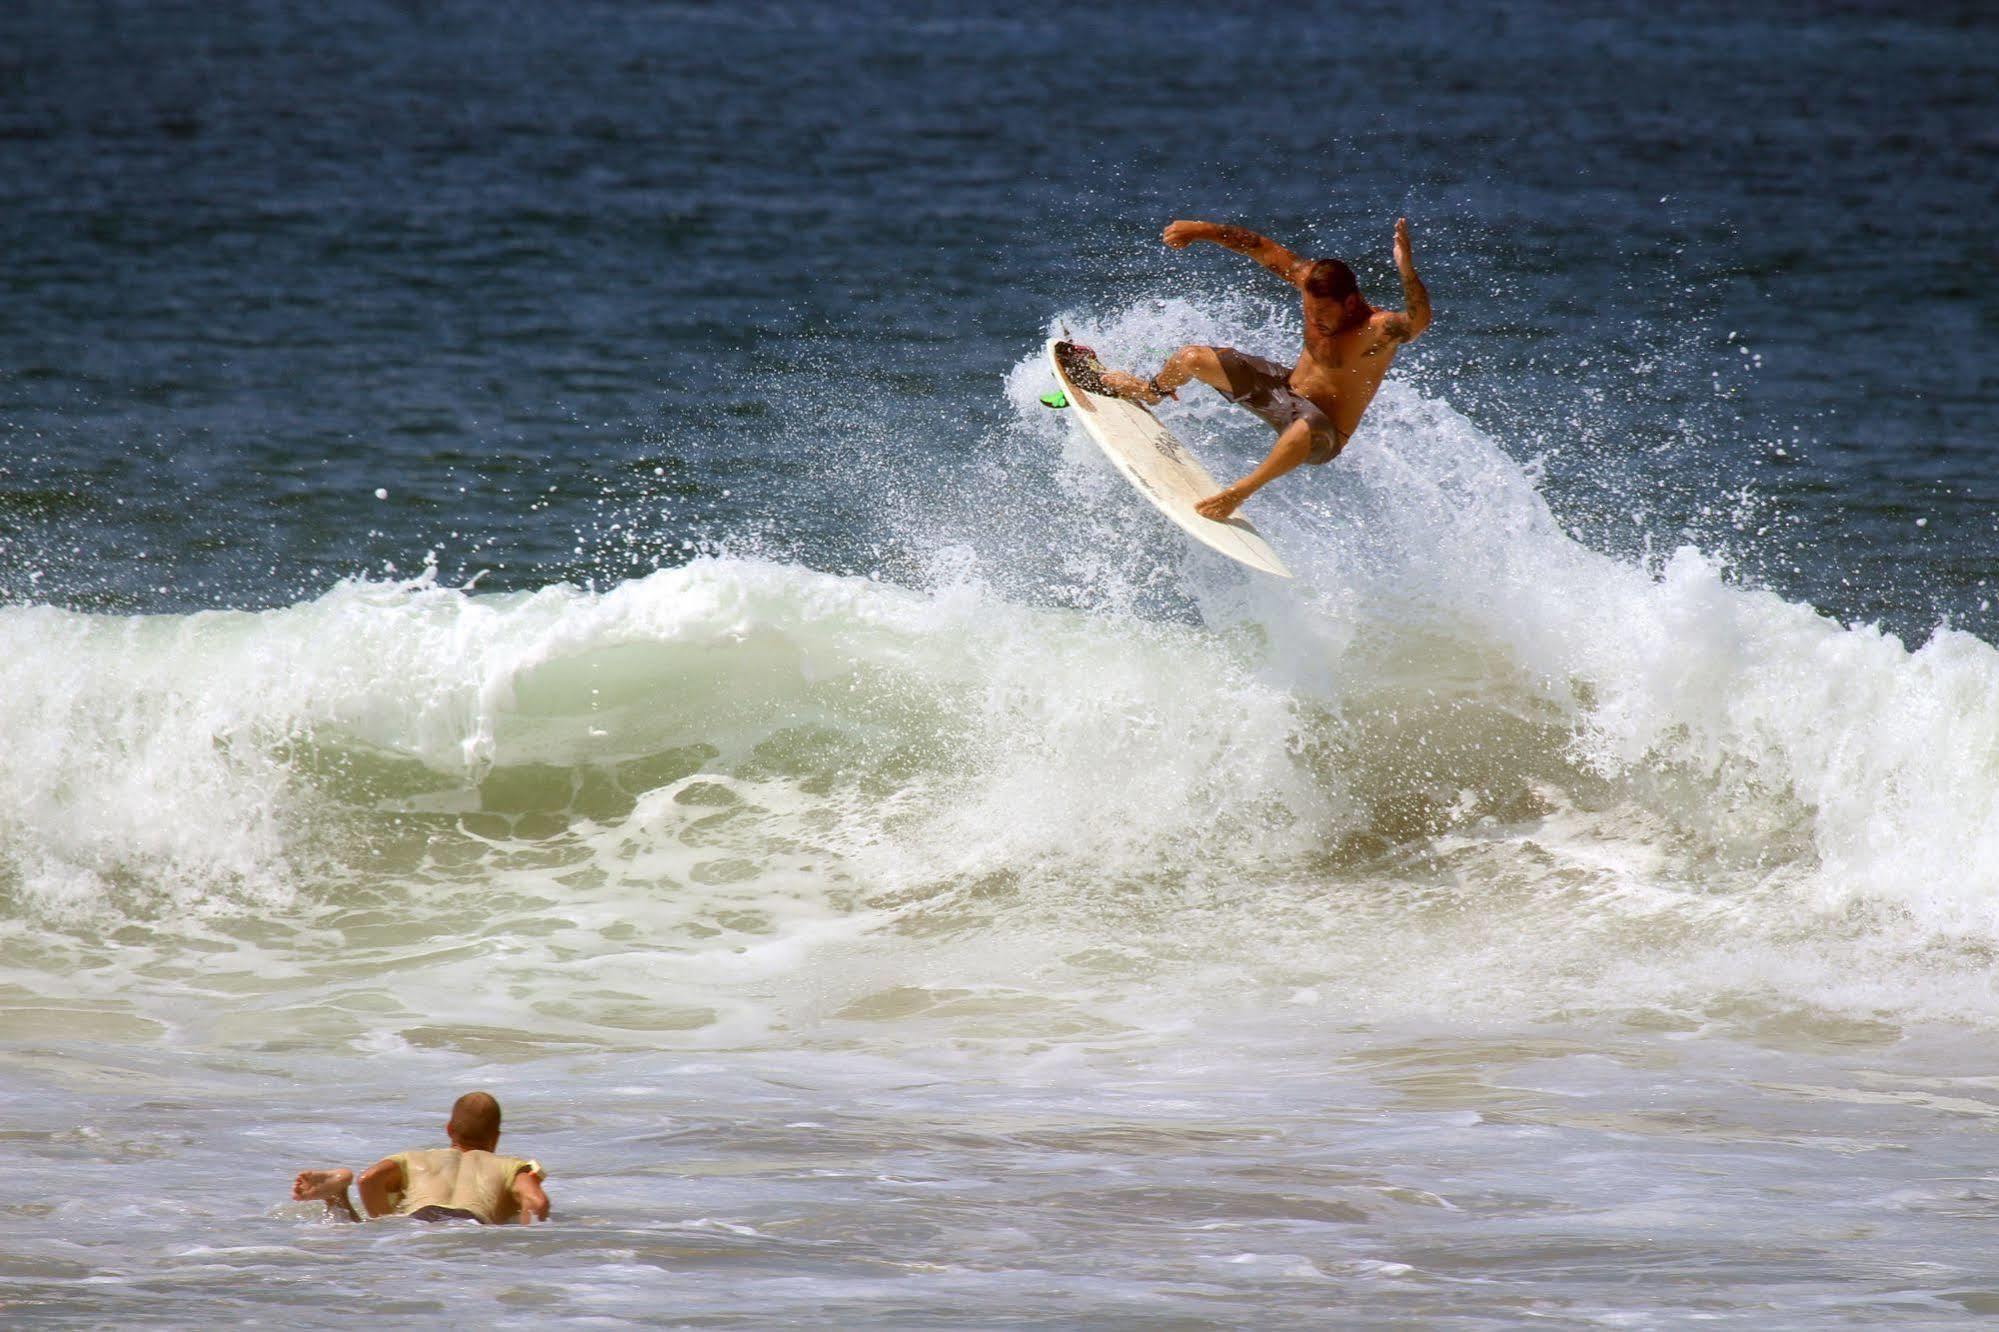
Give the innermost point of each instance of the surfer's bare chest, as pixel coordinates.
(1342, 370)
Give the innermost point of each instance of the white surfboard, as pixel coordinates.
(1161, 469)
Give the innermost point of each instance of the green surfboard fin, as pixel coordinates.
(1056, 399)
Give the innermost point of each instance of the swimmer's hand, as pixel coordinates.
(1403, 259)
(1179, 235)
(329, 1187)
(321, 1185)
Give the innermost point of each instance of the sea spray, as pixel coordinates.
(1463, 763)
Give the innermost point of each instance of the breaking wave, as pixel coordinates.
(1462, 763)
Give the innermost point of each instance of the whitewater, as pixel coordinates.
(1076, 926)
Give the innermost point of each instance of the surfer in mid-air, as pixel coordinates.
(1316, 405)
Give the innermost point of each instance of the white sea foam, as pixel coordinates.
(1461, 760)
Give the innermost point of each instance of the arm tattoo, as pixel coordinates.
(1415, 300)
(1412, 289)
(1239, 239)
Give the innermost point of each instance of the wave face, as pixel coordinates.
(1462, 764)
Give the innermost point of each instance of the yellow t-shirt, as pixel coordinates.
(477, 1182)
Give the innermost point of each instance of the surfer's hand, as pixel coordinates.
(1402, 256)
(1179, 235)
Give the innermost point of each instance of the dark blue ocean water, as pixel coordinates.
(730, 273)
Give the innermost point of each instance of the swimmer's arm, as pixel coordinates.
(1415, 316)
(378, 1183)
(529, 1197)
(329, 1187)
(1179, 235)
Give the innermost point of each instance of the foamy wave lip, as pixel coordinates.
(1453, 692)
(171, 737)
(1426, 533)
(1891, 755)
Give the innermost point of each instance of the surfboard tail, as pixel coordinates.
(1152, 461)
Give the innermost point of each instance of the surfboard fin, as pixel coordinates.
(1056, 399)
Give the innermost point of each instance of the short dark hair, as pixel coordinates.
(475, 1118)
(1331, 280)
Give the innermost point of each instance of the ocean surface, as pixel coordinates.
(530, 559)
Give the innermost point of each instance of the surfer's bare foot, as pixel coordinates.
(1221, 505)
(1131, 386)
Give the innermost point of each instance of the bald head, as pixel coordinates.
(475, 1122)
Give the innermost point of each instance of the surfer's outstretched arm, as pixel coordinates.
(329, 1187)
(1179, 235)
(1415, 316)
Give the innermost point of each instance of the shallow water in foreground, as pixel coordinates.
(1579, 1175)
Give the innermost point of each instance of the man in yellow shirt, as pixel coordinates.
(462, 1182)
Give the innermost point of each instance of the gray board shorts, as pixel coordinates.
(1264, 388)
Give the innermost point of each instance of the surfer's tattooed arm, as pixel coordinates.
(1415, 316)
(1179, 235)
